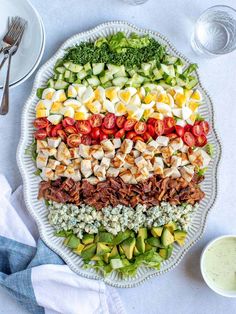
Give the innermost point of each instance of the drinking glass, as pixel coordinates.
(215, 31)
(135, 2)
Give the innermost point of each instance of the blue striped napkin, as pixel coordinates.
(37, 277)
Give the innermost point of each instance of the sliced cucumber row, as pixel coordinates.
(171, 73)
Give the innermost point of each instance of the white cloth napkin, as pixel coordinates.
(35, 275)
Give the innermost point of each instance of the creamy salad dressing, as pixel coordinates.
(220, 264)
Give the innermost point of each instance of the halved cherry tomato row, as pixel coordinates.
(97, 128)
(194, 135)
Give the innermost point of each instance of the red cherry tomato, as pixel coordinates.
(62, 135)
(40, 123)
(83, 126)
(120, 121)
(140, 127)
(103, 136)
(169, 125)
(129, 124)
(130, 135)
(147, 137)
(172, 136)
(73, 140)
(201, 140)
(159, 127)
(189, 139)
(95, 120)
(108, 131)
(55, 129)
(40, 134)
(70, 130)
(179, 130)
(120, 133)
(197, 130)
(95, 142)
(187, 128)
(86, 139)
(151, 130)
(49, 129)
(205, 126)
(151, 121)
(109, 121)
(95, 133)
(137, 138)
(68, 121)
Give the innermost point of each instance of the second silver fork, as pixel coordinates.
(8, 53)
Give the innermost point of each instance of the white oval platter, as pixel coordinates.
(27, 167)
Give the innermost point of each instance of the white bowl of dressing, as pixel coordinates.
(218, 265)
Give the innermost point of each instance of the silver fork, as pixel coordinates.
(8, 53)
(11, 37)
(8, 40)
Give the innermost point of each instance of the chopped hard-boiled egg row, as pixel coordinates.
(132, 162)
(148, 101)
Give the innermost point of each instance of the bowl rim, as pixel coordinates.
(212, 287)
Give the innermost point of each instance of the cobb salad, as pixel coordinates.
(121, 149)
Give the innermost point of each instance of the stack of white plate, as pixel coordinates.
(31, 49)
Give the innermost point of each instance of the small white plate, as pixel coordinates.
(32, 46)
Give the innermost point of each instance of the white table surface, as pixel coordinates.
(182, 290)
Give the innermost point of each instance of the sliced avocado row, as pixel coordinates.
(126, 251)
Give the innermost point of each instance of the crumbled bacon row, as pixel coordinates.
(115, 191)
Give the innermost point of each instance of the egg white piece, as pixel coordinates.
(180, 122)
(195, 93)
(44, 104)
(186, 113)
(71, 92)
(95, 107)
(138, 113)
(59, 96)
(48, 93)
(148, 106)
(178, 89)
(131, 90)
(112, 93)
(159, 89)
(72, 103)
(142, 91)
(80, 89)
(100, 94)
(55, 118)
(177, 112)
(109, 106)
(88, 95)
(120, 109)
(124, 96)
(82, 112)
(68, 111)
(163, 108)
(83, 108)
(171, 100)
(135, 100)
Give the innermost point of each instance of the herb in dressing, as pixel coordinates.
(220, 264)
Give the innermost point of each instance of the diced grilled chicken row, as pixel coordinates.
(133, 162)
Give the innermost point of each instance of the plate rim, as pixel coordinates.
(20, 162)
(40, 54)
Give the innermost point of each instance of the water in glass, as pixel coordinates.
(215, 31)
